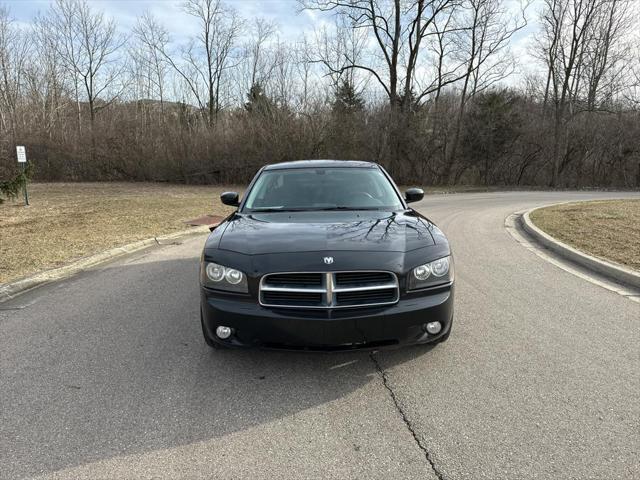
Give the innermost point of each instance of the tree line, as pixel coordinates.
(433, 90)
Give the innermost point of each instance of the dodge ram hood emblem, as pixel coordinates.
(328, 260)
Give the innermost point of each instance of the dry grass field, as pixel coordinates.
(606, 229)
(68, 221)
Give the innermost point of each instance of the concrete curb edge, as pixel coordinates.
(613, 271)
(12, 289)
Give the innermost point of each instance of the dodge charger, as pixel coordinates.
(325, 255)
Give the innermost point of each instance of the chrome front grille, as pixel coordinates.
(328, 289)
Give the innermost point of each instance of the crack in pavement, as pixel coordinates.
(406, 421)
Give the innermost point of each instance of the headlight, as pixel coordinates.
(430, 274)
(219, 277)
(215, 272)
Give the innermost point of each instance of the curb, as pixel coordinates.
(613, 271)
(11, 290)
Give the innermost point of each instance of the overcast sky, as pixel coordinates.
(285, 13)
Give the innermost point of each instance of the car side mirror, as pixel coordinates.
(230, 198)
(413, 195)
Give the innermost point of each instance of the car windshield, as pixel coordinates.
(331, 188)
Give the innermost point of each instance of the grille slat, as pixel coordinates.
(295, 279)
(371, 296)
(292, 298)
(329, 289)
(362, 278)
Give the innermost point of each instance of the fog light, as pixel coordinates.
(434, 327)
(225, 332)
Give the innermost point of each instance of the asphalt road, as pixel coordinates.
(106, 376)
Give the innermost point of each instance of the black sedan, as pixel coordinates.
(325, 255)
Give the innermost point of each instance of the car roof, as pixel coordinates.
(321, 164)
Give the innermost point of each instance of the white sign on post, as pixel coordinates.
(22, 154)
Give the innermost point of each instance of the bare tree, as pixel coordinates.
(337, 47)
(304, 67)
(608, 59)
(209, 54)
(88, 45)
(14, 51)
(485, 30)
(152, 39)
(399, 31)
(261, 64)
(46, 80)
(442, 47)
(258, 59)
(566, 39)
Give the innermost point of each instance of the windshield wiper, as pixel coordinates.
(310, 209)
(272, 209)
(326, 209)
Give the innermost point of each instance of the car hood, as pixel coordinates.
(375, 231)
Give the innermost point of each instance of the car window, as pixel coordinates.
(322, 188)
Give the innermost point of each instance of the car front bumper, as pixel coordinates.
(326, 329)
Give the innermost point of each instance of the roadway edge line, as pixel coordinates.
(514, 226)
